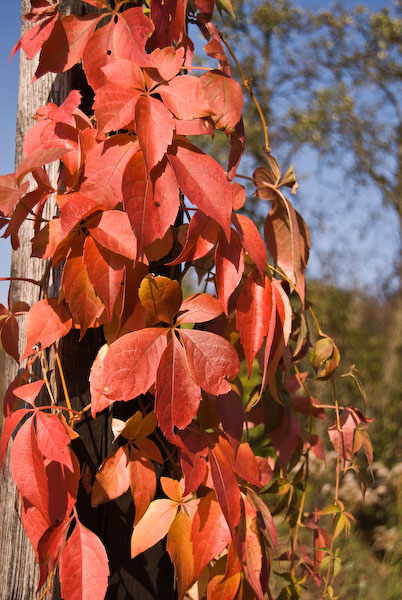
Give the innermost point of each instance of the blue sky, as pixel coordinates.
(360, 251)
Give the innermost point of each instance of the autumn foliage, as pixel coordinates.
(135, 193)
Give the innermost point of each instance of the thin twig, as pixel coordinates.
(44, 372)
(247, 84)
(64, 386)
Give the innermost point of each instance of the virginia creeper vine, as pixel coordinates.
(126, 172)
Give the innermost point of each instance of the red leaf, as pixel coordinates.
(211, 358)
(180, 549)
(105, 271)
(168, 61)
(169, 19)
(29, 391)
(74, 208)
(194, 127)
(177, 396)
(9, 337)
(131, 363)
(50, 547)
(34, 523)
(98, 400)
(343, 440)
(98, 53)
(130, 35)
(246, 465)
(306, 406)
(114, 106)
(10, 193)
(38, 158)
(286, 235)
(153, 526)
(127, 74)
(63, 488)
(229, 262)
(53, 439)
(112, 478)
(194, 450)
(283, 327)
(249, 548)
(142, 482)
(84, 567)
(231, 413)
(33, 40)
(151, 203)
(221, 458)
(66, 44)
(251, 241)
(154, 128)
(10, 423)
(225, 98)
(203, 181)
(97, 3)
(254, 308)
(66, 111)
(28, 469)
(114, 232)
(194, 467)
(199, 308)
(202, 235)
(132, 315)
(209, 533)
(104, 168)
(84, 304)
(47, 322)
(185, 98)
(286, 437)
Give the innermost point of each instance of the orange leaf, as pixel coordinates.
(177, 395)
(142, 483)
(47, 322)
(84, 567)
(112, 478)
(180, 550)
(172, 488)
(131, 364)
(211, 358)
(209, 533)
(160, 296)
(249, 548)
(153, 526)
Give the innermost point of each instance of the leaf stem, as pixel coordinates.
(248, 86)
(65, 391)
(45, 377)
(48, 586)
(331, 548)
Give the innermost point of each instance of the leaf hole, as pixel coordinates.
(115, 19)
(157, 204)
(109, 52)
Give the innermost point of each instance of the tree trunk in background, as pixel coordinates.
(150, 576)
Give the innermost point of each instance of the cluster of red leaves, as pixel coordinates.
(125, 176)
